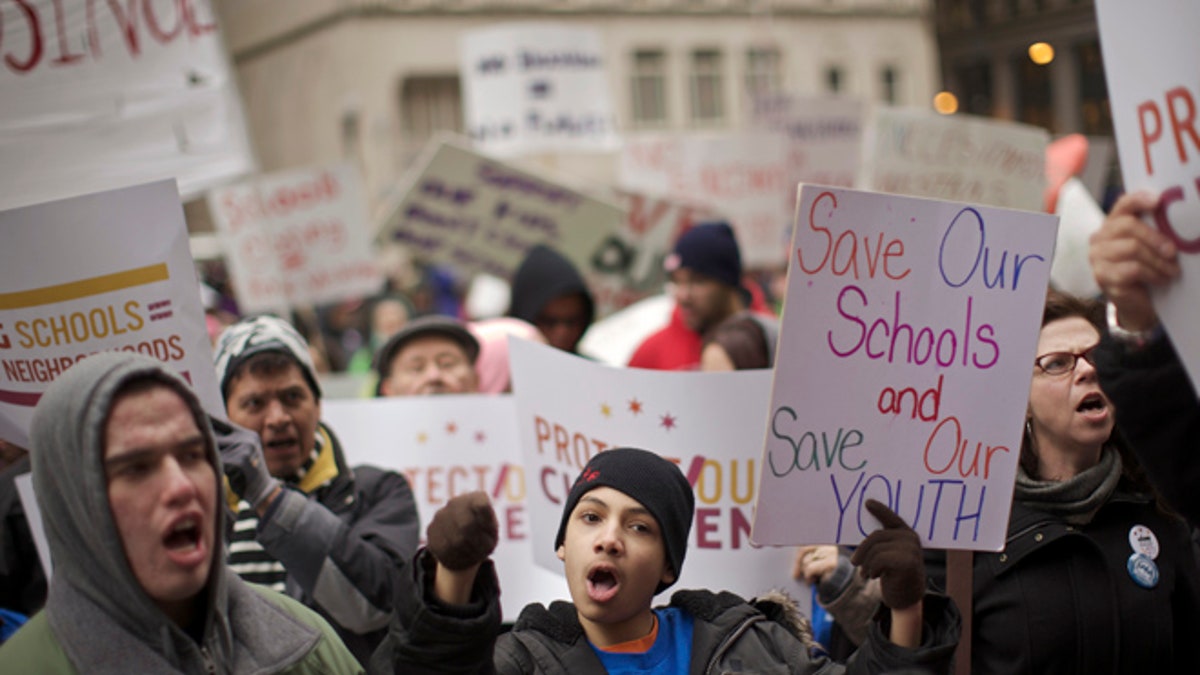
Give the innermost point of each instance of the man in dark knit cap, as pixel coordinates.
(622, 539)
(705, 268)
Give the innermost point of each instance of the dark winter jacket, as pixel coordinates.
(730, 635)
(1060, 599)
(342, 542)
(1159, 416)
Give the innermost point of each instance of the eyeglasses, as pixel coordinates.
(1061, 363)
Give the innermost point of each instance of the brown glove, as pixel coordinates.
(894, 555)
(464, 532)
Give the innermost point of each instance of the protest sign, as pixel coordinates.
(960, 157)
(483, 215)
(447, 446)
(297, 238)
(1149, 62)
(631, 267)
(536, 87)
(103, 95)
(78, 287)
(711, 424)
(825, 136)
(742, 176)
(905, 352)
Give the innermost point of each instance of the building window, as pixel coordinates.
(429, 104)
(708, 104)
(1034, 103)
(764, 71)
(834, 79)
(649, 88)
(889, 81)
(975, 84)
(1093, 91)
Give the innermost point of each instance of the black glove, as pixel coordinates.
(894, 555)
(243, 462)
(464, 532)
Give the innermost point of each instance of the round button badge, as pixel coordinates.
(1142, 540)
(1142, 570)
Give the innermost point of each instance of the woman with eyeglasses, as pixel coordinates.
(1095, 577)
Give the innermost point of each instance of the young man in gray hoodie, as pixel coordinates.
(128, 482)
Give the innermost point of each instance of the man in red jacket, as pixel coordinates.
(705, 268)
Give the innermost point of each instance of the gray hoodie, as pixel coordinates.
(96, 609)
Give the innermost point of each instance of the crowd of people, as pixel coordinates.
(186, 543)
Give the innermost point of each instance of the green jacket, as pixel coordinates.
(35, 649)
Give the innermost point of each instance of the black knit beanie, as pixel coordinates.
(652, 481)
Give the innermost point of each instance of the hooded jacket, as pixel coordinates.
(97, 618)
(543, 276)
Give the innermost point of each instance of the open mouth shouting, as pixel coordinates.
(184, 541)
(1093, 406)
(602, 583)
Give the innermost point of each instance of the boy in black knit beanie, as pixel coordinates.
(622, 540)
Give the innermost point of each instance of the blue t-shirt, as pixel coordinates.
(670, 655)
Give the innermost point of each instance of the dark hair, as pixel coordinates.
(743, 339)
(265, 363)
(1060, 305)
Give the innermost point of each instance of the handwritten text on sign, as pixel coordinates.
(924, 316)
(482, 215)
(298, 237)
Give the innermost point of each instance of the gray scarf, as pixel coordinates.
(1075, 500)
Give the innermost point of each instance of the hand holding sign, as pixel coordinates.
(893, 554)
(243, 462)
(1128, 257)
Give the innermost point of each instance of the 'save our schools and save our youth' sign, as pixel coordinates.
(906, 348)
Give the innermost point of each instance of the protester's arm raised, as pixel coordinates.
(1129, 257)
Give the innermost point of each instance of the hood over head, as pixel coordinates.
(544, 275)
(67, 445)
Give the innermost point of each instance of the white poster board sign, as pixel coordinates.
(743, 176)
(958, 157)
(75, 286)
(1149, 60)
(483, 215)
(825, 136)
(99, 95)
(711, 424)
(536, 87)
(906, 346)
(450, 445)
(297, 238)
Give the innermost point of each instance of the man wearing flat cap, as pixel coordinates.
(430, 355)
(307, 524)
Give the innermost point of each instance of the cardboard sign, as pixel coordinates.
(1149, 57)
(537, 87)
(99, 95)
(960, 157)
(297, 238)
(483, 215)
(631, 268)
(450, 445)
(75, 286)
(825, 136)
(711, 424)
(906, 346)
(743, 176)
